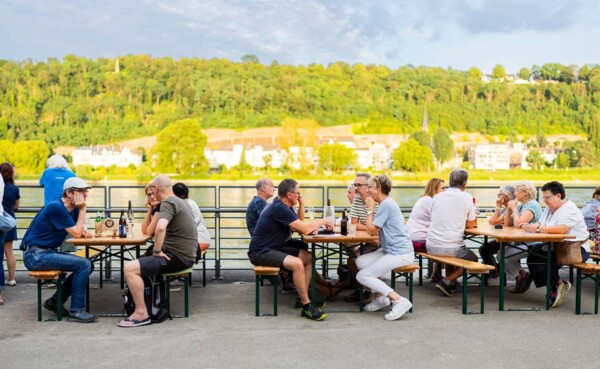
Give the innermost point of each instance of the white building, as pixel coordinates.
(98, 156)
(377, 156)
(490, 156)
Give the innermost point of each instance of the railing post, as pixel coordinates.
(217, 245)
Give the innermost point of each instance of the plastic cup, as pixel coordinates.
(352, 230)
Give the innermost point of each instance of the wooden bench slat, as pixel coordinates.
(265, 270)
(407, 269)
(587, 267)
(471, 266)
(45, 274)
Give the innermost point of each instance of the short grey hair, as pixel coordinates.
(459, 178)
(57, 161)
(366, 175)
(261, 182)
(350, 186)
(509, 191)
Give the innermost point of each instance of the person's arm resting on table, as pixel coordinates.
(310, 227)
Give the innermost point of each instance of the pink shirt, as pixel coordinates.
(420, 217)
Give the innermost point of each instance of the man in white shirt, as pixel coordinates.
(451, 211)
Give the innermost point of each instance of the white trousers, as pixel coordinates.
(378, 264)
(512, 262)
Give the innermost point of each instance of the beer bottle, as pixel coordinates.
(476, 212)
(344, 224)
(122, 225)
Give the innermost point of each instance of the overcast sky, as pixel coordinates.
(446, 33)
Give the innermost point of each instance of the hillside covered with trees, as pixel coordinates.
(78, 101)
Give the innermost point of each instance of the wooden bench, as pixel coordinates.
(407, 272)
(56, 276)
(470, 269)
(272, 274)
(186, 274)
(587, 270)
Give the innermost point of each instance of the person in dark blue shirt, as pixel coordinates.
(10, 203)
(46, 233)
(264, 191)
(271, 243)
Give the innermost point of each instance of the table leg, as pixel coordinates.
(313, 283)
(122, 266)
(548, 287)
(502, 278)
(87, 287)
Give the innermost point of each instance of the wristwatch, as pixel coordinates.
(537, 230)
(369, 212)
(155, 251)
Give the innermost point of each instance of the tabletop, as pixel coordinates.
(138, 239)
(512, 234)
(360, 237)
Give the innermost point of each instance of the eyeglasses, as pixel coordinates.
(82, 190)
(296, 193)
(149, 194)
(359, 185)
(547, 197)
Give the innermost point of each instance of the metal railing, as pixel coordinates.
(224, 209)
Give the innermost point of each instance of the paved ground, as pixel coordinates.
(222, 332)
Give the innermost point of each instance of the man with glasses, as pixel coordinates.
(272, 244)
(358, 216)
(41, 245)
(560, 216)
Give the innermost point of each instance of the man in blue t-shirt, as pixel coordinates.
(271, 243)
(264, 191)
(46, 233)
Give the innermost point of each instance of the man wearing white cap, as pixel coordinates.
(44, 236)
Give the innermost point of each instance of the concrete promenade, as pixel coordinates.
(222, 332)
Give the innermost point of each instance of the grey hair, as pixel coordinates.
(366, 175)
(285, 186)
(261, 182)
(57, 161)
(351, 186)
(459, 178)
(509, 191)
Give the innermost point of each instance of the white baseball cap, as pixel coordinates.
(75, 182)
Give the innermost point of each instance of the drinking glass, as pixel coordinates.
(311, 213)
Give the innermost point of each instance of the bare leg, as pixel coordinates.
(133, 275)
(10, 260)
(298, 266)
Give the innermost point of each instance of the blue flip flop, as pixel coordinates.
(136, 323)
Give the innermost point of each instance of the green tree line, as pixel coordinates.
(80, 101)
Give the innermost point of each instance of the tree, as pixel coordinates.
(300, 134)
(443, 146)
(524, 73)
(562, 161)
(250, 58)
(474, 73)
(336, 157)
(422, 137)
(535, 160)
(180, 149)
(412, 157)
(594, 133)
(498, 72)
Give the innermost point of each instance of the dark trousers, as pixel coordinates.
(537, 266)
(487, 252)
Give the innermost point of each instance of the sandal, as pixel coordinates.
(135, 322)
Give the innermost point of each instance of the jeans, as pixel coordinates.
(378, 264)
(2, 282)
(75, 285)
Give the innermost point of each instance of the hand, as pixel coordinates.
(78, 200)
(300, 202)
(500, 201)
(149, 205)
(370, 203)
(87, 234)
(327, 224)
(161, 255)
(512, 204)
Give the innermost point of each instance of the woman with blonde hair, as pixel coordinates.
(396, 249)
(523, 210)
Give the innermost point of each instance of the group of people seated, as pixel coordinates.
(436, 226)
(439, 218)
(174, 220)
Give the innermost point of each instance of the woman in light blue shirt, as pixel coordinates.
(396, 248)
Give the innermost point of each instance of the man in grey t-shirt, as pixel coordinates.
(175, 244)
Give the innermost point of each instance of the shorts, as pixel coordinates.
(151, 266)
(274, 258)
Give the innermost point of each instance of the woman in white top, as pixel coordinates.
(420, 216)
(561, 216)
(181, 190)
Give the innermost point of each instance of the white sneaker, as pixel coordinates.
(11, 283)
(378, 303)
(398, 309)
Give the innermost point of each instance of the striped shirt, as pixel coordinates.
(359, 210)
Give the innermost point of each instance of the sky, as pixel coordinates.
(455, 34)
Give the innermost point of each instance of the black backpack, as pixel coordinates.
(154, 297)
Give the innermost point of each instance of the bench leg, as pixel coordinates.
(421, 269)
(464, 292)
(168, 293)
(186, 301)
(596, 288)
(257, 295)
(410, 289)
(59, 307)
(482, 291)
(275, 290)
(204, 270)
(393, 280)
(39, 304)
(578, 294)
